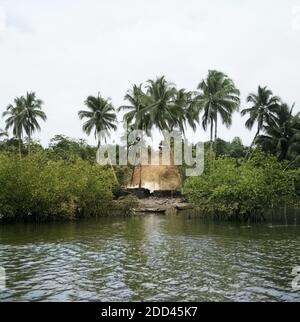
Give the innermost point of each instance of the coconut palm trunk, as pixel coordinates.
(249, 153)
(110, 163)
(211, 135)
(255, 137)
(99, 142)
(216, 134)
(216, 129)
(20, 147)
(29, 141)
(140, 181)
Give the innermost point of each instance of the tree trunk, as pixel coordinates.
(99, 142)
(140, 182)
(112, 168)
(29, 141)
(216, 129)
(114, 173)
(255, 137)
(211, 135)
(216, 133)
(253, 142)
(20, 147)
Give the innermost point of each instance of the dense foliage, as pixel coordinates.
(42, 189)
(233, 188)
(234, 149)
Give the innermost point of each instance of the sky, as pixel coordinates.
(65, 50)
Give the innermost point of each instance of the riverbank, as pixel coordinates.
(161, 205)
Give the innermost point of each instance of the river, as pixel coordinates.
(149, 258)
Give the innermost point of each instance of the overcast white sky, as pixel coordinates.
(66, 50)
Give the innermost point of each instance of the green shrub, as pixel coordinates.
(37, 188)
(247, 188)
(125, 205)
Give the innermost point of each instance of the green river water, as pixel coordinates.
(149, 258)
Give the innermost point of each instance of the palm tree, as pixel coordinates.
(186, 110)
(101, 117)
(218, 96)
(33, 111)
(164, 113)
(161, 106)
(262, 112)
(170, 109)
(23, 117)
(16, 119)
(294, 146)
(136, 117)
(282, 136)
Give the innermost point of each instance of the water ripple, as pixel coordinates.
(151, 258)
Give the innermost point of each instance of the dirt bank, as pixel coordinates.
(161, 205)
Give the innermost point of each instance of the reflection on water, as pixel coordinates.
(149, 258)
